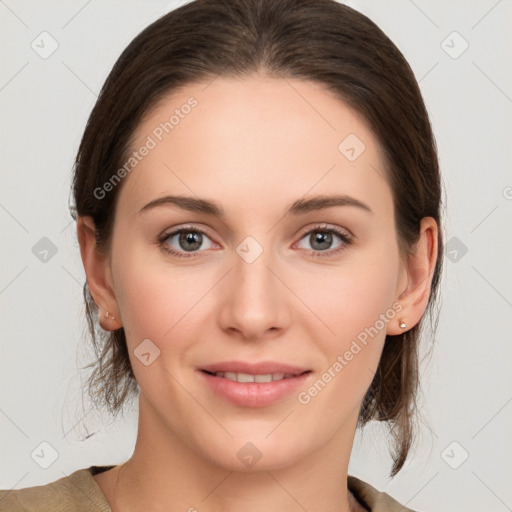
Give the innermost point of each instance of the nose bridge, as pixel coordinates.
(255, 303)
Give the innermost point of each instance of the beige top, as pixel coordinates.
(80, 492)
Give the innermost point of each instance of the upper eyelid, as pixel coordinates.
(322, 226)
(175, 231)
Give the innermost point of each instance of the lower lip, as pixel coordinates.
(254, 394)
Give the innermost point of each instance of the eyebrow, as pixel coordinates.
(299, 207)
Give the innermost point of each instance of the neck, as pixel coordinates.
(168, 473)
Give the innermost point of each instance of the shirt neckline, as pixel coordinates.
(356, 486)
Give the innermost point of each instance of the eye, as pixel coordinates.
(321, 239)
(185, 240)
(192, 240)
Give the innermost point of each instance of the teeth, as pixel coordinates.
(263, 378)
(244, 377)
(247, 377)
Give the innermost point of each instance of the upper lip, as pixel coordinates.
(262, 368)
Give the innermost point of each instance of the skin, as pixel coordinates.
(253, 145)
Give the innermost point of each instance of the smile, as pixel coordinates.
(253, 385)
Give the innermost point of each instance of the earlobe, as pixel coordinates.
(98, 274)
(420, 268)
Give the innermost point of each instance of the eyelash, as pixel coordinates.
(346, 239)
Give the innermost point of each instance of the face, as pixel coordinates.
(291, 268)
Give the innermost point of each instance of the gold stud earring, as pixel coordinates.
(402, 324)
(107, 315)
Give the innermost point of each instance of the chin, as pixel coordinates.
(242, 455)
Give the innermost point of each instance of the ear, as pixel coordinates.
(419, 271)
(99, 275)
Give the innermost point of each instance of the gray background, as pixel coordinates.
(467, 393)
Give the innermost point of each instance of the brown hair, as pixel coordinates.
(318, 40)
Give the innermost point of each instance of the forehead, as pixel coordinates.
(256, 138)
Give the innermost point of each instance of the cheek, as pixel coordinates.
(354, 297)
(158, 301)
(358, 317)
(140, 300)
(356, 303)
(154, 304)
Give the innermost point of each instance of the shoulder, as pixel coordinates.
(75, 492)
(373, 499)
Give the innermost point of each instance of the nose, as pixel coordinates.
(254, 302)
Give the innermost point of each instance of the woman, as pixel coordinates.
(258, 210)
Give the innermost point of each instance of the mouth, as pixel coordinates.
(253, 385)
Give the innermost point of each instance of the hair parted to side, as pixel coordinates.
(318, 40)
